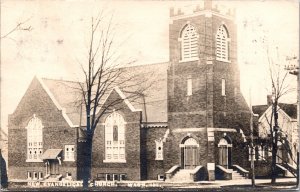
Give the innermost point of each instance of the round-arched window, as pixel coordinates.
(222, 45)
(189, 43)
(34, 139)
(114, 137)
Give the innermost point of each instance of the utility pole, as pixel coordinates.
(252, 145)
(294, 70)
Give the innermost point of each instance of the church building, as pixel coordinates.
(193, 124)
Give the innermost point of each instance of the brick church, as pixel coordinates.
(193, 126)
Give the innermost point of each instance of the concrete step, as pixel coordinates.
(179, 180)
(182, 176)
(237, 176)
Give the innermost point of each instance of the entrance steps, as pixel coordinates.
(53, 178)
(236, 175)
(182, 176)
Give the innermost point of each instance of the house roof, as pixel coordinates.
(66, 95)
(289, 109)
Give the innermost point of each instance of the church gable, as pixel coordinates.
(36, 101)
(116, 142)
(37, 124)
(117, 101)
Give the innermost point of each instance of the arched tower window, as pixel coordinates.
(34, 140)
(189, 43)
(222, 45)
(114, 138)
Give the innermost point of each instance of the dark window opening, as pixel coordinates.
(160, 177)
(116, 177)
(122, 177)
(108, 178)
(29, 174)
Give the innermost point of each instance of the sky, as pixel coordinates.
(58, 41)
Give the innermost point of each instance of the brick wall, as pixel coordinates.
(213, 108)
(154, 167)
(132, 144)
(173, 155)
(206, 107)
(56, 132)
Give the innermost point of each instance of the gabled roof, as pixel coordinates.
(154, 101)
(66, 95)
(289, 109)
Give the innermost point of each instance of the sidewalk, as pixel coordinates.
(282, 184)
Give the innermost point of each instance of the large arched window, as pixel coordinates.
(222, 45)
(34, 140)
(115, 138)
(189, 43)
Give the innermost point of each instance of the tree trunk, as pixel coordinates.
(273, 168)
(87, 162)
(274, 143)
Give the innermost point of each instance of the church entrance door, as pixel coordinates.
(190, 153)
(224, 153)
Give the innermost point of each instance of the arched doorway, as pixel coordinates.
(224, 153)
(189, 153)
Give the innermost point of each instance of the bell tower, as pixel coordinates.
(203, 79)
(203, 75)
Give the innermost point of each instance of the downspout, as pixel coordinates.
(143, 153)
(145, 109)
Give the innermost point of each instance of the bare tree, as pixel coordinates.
(20, 26)
(280, 88)
(105, 69)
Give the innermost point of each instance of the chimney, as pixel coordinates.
(269, 100)
(207, 4)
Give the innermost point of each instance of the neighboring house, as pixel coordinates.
(3, 154)
(288, 133)
(193, 120)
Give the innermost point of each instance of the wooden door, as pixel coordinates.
(54, 167)
(223, 156)
(190, 156)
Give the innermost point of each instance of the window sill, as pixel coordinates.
(33, 161)
(114, 161)
(69, 160)
(188, 60)
(159, 159)
(226, 61)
